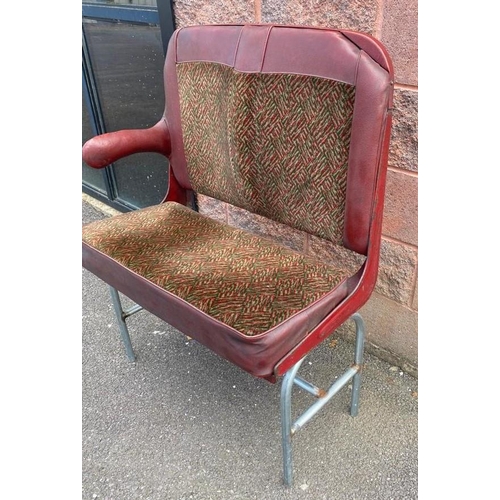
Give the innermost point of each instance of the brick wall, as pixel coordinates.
(391, 314)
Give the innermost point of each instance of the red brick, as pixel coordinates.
(414, 303)
(356, 14)
(327, 252)
(392, 330)
(398, 264)
(401, 207)
(403, 152)
(214, 209)
(256, 224)
(400, 36)
(193, 12)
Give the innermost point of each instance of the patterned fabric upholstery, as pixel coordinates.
(242, 280)
(274, 144)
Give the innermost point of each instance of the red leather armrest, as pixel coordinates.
(104, 149)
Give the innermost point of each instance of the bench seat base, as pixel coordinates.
(246, 297)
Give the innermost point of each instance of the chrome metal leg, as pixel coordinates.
(289, 428)
(121, 315)
(286, 421)
(358, 361)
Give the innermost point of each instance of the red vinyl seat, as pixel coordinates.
(292, 124)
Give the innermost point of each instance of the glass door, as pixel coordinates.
(123, 49)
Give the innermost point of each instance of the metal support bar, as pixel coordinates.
(120, 317)
(317, 405)
(132, 310)
(287, 428)
(307, 386)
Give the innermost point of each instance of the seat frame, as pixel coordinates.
(289, 428)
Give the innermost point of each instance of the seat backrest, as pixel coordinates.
(286, 122)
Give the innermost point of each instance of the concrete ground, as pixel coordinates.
(182, 423)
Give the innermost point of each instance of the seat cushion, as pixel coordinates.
(245, 297)
(245, 281)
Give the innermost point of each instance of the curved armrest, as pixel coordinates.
(104, 149)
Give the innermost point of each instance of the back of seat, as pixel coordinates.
(278, 120)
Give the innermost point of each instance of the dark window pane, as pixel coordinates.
(127, 60)
(90, 176)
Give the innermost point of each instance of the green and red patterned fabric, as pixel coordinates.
(274, 144)
(245, 281)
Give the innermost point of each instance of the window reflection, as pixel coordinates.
(127, 60)
(90, 176)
